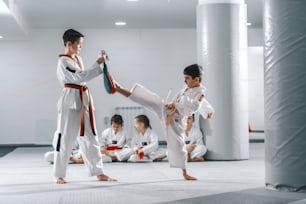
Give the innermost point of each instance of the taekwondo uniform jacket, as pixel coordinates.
(75, 109)
(195, 136)
(108, 137)
(148, 140)
(69, 72)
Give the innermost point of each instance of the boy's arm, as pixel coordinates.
(122, 140)
(170, 117)
(187, 105)
(68, 72)
(103, 138)
(206, 109)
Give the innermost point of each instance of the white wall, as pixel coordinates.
(256, 88)
(29, 89)
(153, 57)
(256, 78)
(255, 37)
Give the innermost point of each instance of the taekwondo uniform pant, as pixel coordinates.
(106, 159)
(198, 151)
(121, 155)
(68, 126)
(177, 154)
(160, 153)
(124, 154)
(49, 157)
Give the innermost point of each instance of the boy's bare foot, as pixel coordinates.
(121, 90)
(76, 160)
(104, 177)
(197, 159)
(188, 177)
(60, 180)
(113, 157)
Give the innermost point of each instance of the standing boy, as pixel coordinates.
(75, 111)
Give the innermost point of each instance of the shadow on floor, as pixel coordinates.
(250, 196)
(5, 150)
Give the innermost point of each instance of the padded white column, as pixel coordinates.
(222, 50)
(285, 94)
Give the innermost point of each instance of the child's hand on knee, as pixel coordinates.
(170, 106)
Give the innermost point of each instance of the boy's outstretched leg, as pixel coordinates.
(122, 90)
(188, 177)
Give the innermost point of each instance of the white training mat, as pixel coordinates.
(25, 177)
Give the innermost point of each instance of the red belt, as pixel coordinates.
(113, 148)
(82, 89)
(141, 155)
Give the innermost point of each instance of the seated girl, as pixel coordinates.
(194, 141)
(145, 142)
(114, 141)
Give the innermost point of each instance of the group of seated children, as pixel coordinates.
(116, 145)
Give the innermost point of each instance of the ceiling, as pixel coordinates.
(104, 13)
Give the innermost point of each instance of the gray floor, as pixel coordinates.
(26, 178)
(6, 150)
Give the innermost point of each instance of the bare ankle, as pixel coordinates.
(60, 180)
(104, 177)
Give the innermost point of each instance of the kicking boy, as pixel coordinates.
(186, 102)
(75, 111)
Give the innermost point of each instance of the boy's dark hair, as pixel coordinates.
(194, 71)
(71, 35)
(117, 119)
(144, 119)
(192, 116)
